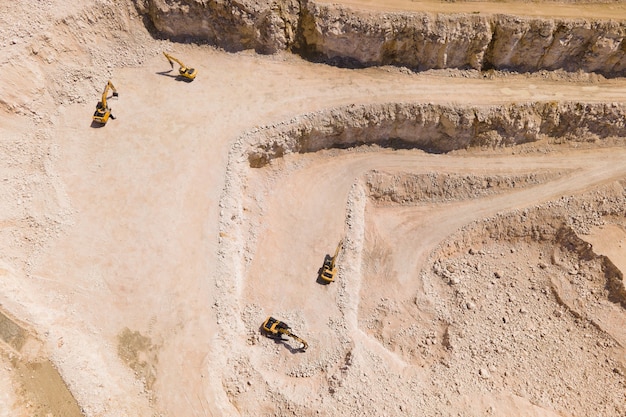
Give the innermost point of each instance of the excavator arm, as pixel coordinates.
(108, 87)
(339, 246)
(171, 59)
(274, 327)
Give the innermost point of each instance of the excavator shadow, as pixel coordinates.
(174, 76)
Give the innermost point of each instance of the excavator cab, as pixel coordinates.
(103, 111)
(329, 268)
(188, 74)
(275, 328)
(102, 114)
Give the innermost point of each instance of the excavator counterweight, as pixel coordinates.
(186, 73)
(103, 111)
(276, 328)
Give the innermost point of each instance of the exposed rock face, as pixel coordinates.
(417, 40)
(264, 26)
(427, 41)
(531, 44)
(438, 128)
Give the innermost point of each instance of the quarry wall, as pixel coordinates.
(419, 41)
(436, 128)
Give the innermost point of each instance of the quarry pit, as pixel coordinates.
(469, 154)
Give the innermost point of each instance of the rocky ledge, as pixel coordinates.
(420, 41)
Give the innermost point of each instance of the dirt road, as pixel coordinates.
(518, 8)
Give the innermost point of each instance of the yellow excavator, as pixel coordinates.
(329, 269)
(275, 328)
(103, 111)
(187, 73)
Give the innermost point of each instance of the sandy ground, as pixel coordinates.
(121, 288)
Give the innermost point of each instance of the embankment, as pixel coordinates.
(417, 40)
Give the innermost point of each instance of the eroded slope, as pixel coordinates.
(354, 36)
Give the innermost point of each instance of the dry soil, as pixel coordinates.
(140, 258)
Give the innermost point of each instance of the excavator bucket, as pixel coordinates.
(304, 345)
